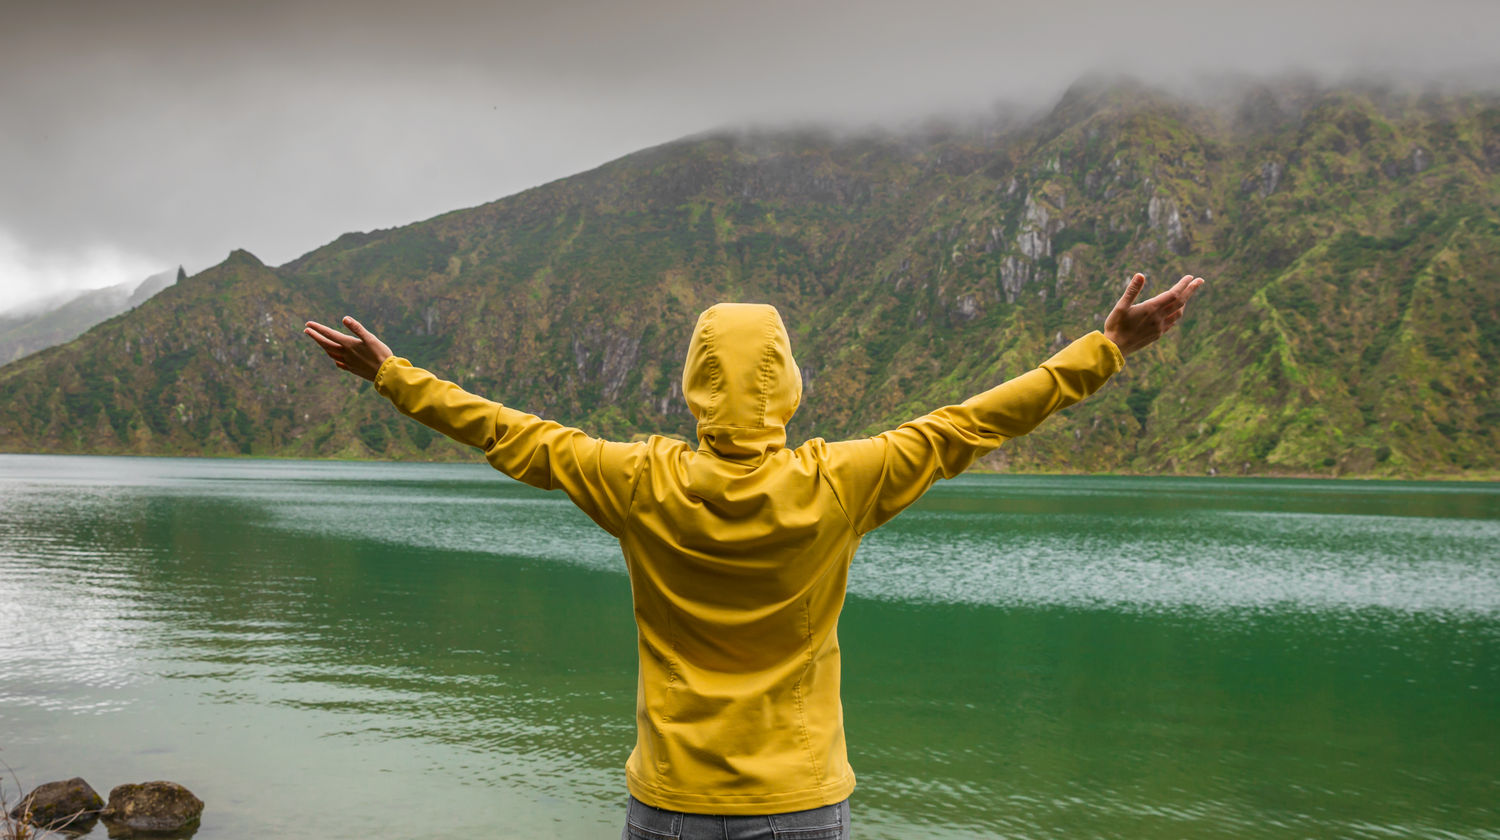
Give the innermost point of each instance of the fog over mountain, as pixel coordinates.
(156, 133)
(1350, 325)
(62, 316)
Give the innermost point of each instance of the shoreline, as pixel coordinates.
(1489, 477)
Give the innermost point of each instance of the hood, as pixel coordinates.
(740, 380)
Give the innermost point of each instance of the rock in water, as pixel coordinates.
(54, 804)
(151, 807)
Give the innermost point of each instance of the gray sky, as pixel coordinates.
(139, 135)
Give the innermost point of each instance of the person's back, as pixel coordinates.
(737, 572)
(738, 553)
(738, 550)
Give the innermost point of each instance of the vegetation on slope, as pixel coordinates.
(1350, 325)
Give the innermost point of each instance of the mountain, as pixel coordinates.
(68, 316)
(1351, 324)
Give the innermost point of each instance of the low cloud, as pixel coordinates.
(173, 132)
(30, 277)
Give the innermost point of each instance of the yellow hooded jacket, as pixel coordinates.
(738, 551)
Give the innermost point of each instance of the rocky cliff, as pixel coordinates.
(1351, 326)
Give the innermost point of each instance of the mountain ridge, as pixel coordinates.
(1337, 228)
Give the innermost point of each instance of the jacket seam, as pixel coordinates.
(833, 488)
(715, 371)
(635, 483)
(812, 757)
(763, 373)
(672, 679)
(739, 426)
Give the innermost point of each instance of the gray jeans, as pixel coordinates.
(643, 822)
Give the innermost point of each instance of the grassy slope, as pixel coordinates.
(1351, 325)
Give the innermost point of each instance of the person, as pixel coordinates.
(738, 549)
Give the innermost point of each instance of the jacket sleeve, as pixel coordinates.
(876, 478)
(597, 475)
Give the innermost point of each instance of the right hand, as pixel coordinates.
(361, 354)
(1132, 325)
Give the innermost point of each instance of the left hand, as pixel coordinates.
(1132, 325)
(361, 354)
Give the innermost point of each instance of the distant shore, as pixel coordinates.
(1478, 477)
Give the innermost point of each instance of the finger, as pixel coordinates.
(1132, 291)
(342, 366)
(322, 328)
(376, 347)
(1185, 288)
(1162, 302)
(333, 334)
(1174, 297)
(1173, 319)
(325, 343)
(358, 328)
(333, 352)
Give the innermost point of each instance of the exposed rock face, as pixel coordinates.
(1039, 223)
(1270, 178)
(1035, 238)
(620, 353)
(1163, 213)
(1359, 230)
(151, 807)
(1014, 275)
(1420, 159)
(72, 802)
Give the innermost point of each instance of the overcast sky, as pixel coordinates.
(139, 135)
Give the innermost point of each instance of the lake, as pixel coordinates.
(354, 650)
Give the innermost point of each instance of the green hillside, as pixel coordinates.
(1351, 239)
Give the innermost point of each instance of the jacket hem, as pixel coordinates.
(739, 804)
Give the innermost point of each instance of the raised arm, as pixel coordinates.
(597, 475)
(878, 477)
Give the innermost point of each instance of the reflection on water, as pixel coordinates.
(357, 650)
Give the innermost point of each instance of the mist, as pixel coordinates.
(146, 135)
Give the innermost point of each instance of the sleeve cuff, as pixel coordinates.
(1113, 349)
(383, 374)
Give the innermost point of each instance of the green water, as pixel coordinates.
(363, 650)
